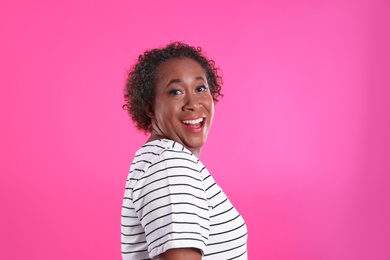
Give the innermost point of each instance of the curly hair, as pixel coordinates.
(141, 80)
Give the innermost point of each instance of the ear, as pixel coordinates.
(149, 110)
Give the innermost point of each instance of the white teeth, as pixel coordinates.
(193, 122)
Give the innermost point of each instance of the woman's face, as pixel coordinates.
(183, 107)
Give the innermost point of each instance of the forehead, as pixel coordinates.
(179, 68)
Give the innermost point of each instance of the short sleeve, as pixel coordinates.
(171, 203)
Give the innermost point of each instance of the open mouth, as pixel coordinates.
(196, 123)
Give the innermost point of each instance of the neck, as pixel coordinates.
(155, 135)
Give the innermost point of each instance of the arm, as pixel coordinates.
(172, 206)
(181, 254)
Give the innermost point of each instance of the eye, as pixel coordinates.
(201, 89)
(174, 92)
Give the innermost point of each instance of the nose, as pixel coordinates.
(192, 103)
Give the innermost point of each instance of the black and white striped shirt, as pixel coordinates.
(172, 201)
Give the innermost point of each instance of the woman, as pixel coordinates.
(172, 207)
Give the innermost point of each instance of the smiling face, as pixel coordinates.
(183, 107)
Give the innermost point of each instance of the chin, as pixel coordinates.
(196, 144)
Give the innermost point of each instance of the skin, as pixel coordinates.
(182, 254)
(181, 93)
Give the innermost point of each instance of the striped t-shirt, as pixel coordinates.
(172, 201)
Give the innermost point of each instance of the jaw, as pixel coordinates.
(194, 137)
(191, 135)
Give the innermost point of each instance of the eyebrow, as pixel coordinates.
(180, 80)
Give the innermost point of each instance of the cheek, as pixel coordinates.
(212, 110)
(164, 110)
(159, 110)
(209, 104)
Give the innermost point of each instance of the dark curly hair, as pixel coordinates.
(139, 88)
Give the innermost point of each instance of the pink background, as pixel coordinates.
(300, 142)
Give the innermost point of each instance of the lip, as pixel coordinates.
(193, 118)
(197, 129)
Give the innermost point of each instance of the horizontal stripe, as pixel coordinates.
(172, 200)
(176, 213)
(196, 224)
(227, 241)
(237, 256)
(133, 252)
(141, 154)
(171, 195)
(136, 243)
(132, 226)
(227, 250)
(166, 186)
(166, 169)
(227, 231)
(223, 212)
(178, 203)
(221, 223)
(126, 216)
(184, 239)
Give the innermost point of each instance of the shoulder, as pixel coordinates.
(164, 150)
(164, 158)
